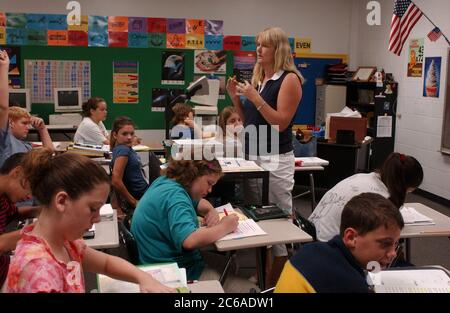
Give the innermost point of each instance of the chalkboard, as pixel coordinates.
(102, 78)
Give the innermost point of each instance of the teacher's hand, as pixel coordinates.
(247, 90)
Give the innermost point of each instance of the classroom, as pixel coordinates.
(232, 146)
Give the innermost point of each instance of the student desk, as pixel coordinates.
(57, 132)
(206, 286)
(279, 231)
(441, 228)
(106, 235)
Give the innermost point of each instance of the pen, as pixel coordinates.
(225, 211)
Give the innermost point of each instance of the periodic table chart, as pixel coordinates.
(42, 76)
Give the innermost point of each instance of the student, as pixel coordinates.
(13, 188)
(127, 174)
(165, 222)
(398, 175)
(183, 123)
(91, 129)
(50, 257)
(15, 121)
(231, 125)
(370, 231)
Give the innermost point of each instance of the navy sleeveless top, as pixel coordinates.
(264, 134)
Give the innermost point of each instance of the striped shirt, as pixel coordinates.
(8, 212)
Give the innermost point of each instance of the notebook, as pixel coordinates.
(412, 217)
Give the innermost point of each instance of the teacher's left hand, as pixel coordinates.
(247, 90)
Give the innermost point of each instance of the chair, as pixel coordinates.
(128, 240)
(304, 224)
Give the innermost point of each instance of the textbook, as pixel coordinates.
(168, 274)
(416, 280)
(412, 217)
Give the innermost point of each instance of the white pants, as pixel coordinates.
(281, 182)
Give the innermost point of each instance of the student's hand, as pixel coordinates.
(37, 123)
(4, 58)
(212, 218)
(149, 284)
(189, 122)
(247, 90)
(230, 222)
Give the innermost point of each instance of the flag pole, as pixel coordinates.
(435, 26)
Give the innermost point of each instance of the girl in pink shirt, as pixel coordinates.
(50, 257)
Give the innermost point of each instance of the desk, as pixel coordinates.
(249, 174)
(206, 286)
(441, 228)
(106, 235)
(65, 132)
(279, 231)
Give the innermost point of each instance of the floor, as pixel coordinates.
(427, 251)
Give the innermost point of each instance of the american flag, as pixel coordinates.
(434, 34)
(405, 16)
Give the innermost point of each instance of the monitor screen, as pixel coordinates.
(20, 98)
(68, 99)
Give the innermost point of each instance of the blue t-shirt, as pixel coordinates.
(133, 178)
(10, 145)
(164, 218)
(181, 132)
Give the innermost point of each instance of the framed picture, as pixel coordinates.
(363, 73)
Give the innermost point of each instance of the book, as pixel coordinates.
(420, 280)
(246, 228)
(168, 274)
(237, 164)
(265, 212)
(412, 217)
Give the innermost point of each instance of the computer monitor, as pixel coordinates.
(68, 99)
(20, 98)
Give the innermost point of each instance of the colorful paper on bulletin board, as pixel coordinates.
(98, 38)
(416, 50)
(172, 68)
(78, 38)
(194, 26)
(37, 21)
(248, 43)
(292, 44)
(84, 25)
(137, 40)
(15, 82)
(57, 21)
(98, 23)
(302, 45)
(42, 76)
(160, 96)
(232, 43)
(16, 36)
(2, 19)
(157, 25)
(57, 38)
(195, 41)
(118, 24)
(244, 62)
(117, 39)
(16, 20)
(432, 78)
(176, 26)
(213, 27)
(14, 60)
(137, 24)
(156, 40)
(126, 82)
(176, 41)
(37, 37)
(2, 36)
(207, 61)
(214, 42)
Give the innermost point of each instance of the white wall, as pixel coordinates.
(419, 129)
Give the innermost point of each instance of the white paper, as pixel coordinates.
(413, 281)
(312, 161)
(412, 217)
(237, 164)
(246, 228)
(106, 212)
(384, 126)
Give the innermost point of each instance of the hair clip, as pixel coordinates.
(211, 166)
(402, 157)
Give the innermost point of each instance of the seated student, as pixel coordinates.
(50, 256)
(165, 222)
(183, 123)
(370, 230)
(15, 121)
(398, 175)
(127, 174)
(13, 188)
(231, 126)
(91, 129)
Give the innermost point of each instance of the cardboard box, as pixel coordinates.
(358, 125)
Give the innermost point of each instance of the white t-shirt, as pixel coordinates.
(89, 132)
(327, 214)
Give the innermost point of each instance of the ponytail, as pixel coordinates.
(400, 172)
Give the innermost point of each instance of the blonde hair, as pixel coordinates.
(15, 113)
(277, 38)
